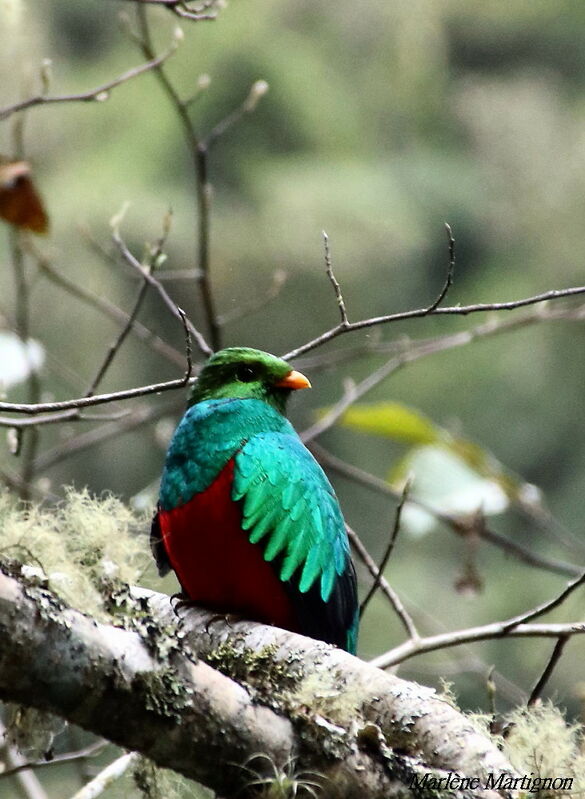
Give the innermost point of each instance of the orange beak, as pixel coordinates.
(294, 380)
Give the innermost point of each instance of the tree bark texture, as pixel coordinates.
(215, 699)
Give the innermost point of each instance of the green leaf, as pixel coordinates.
(392, 420)
(407, 425)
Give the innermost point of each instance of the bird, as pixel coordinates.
(246, 517)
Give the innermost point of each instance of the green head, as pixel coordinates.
(242, 373)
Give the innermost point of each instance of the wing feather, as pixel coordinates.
(289, 504)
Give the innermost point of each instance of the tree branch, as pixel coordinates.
(456, 310)
(93, 95)
(285, 697)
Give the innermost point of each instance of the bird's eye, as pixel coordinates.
(245, 374)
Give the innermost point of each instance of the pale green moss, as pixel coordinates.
(542, 742)
(76, 547)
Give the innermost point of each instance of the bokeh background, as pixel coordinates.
(383, 121)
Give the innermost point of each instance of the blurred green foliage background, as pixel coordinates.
(384, 119)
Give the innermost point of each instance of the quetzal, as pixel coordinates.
(246, 516)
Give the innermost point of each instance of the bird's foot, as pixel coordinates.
(180, 600)
(226, 618)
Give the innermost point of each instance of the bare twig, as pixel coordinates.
(545, 607)
(334, 282)
(333, 414)
(550, 667)
(171, 305)
(257, 90)
(385, 587)
(457, 310)
(494, 326)
(60, 417)
(117, 343)
(112, 772)
(516, 626)
(450, 271)
(87, 402)
(100, 399)
(198, 153)
(384, 562)
(98, 94)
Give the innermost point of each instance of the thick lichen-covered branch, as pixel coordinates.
(264, 696)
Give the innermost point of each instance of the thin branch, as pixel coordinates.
(107, 777)
(257, 90)
(450, 271)
(385, 587)
(390, 547)
(59, 418)
(98, 94)
(119, 340)
(550, 667)
(494, 326)
(349, 396)
(87, 402)
(334, 282)
(545, 607)
(198, 155)
(486, 632)
(171, 305)
(516, 626)
(457, 310)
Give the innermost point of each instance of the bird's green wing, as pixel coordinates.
(289, 504)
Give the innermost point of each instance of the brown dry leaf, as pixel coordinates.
(20, 204)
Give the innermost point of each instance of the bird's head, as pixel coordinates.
(243, 373)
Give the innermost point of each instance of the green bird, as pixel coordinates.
(246, 517)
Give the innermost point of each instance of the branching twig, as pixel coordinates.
(98, 94)
(545, 607)
(202, 185)
(171, 305)
(516, 626)
(457, 310)
(334, 282)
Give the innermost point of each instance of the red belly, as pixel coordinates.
(216, 564)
